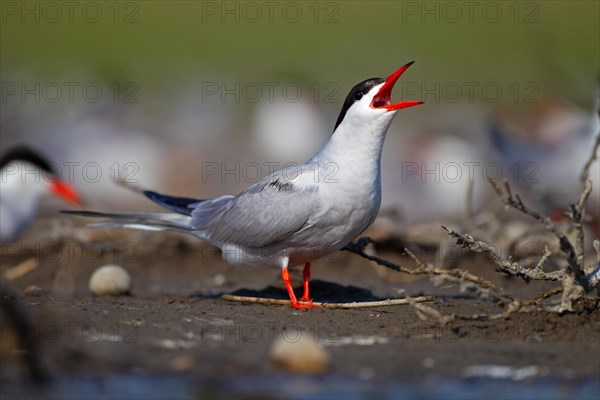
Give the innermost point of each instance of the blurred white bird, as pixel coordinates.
(432, 177)
(544, 152)
(26, 176)
(285, 131)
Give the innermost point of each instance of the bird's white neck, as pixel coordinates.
(356, 145)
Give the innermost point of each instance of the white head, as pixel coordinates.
(24, 177)
(357, 141)
(368, 105)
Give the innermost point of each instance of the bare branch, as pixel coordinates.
(576, 213)
(423, 269)
(543, 296)
(416, 259)
(571, 292)
(22, 269)
(425, 312)
(566, 246)
(381, 303)
(507, 266)
(539, 266)
(585, 172)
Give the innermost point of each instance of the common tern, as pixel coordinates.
(25, 177)
(298, 214)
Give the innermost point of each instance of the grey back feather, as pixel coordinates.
(268, 212)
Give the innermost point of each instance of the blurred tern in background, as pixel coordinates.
(432, 178)
(26, 177)
(298, 214)
(544, 152)
(286, 131)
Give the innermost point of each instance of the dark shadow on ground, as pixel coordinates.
(321, 291)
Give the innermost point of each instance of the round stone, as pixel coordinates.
(110, 280)
(303, 356)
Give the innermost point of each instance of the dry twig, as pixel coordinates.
(585, 172)
(425, 312)
(22, 269)
(543, 296)
(576, 214)
(381, 303)
(515, 201)
(574, 279)
(422, 269)
(507, 266)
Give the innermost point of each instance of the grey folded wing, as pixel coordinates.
(268, 212)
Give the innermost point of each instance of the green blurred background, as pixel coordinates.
(555, 43)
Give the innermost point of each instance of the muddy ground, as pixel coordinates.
(174, 337)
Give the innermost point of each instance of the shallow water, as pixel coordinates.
(305, 387)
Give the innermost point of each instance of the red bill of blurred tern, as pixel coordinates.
(25, 177)
(298, 214)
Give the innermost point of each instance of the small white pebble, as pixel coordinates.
(34, 291)
(219, 279)
(303, 356)
(110, 280)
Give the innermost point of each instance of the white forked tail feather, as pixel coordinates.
(140, 220)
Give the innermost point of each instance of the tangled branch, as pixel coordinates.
(575, 281)
(426, 312)
(514, 200)
(507, 266)
(426, 269)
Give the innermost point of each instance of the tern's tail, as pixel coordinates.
(140, 220)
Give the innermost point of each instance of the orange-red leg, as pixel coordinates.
(287, 281)
(306, 276)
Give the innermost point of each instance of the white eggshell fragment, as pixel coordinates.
(110, 280)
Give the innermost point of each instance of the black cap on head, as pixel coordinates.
(356, 94)
(24, 153)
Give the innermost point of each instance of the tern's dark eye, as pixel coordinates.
(358, 95)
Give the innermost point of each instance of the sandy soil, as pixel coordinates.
(175, 326)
